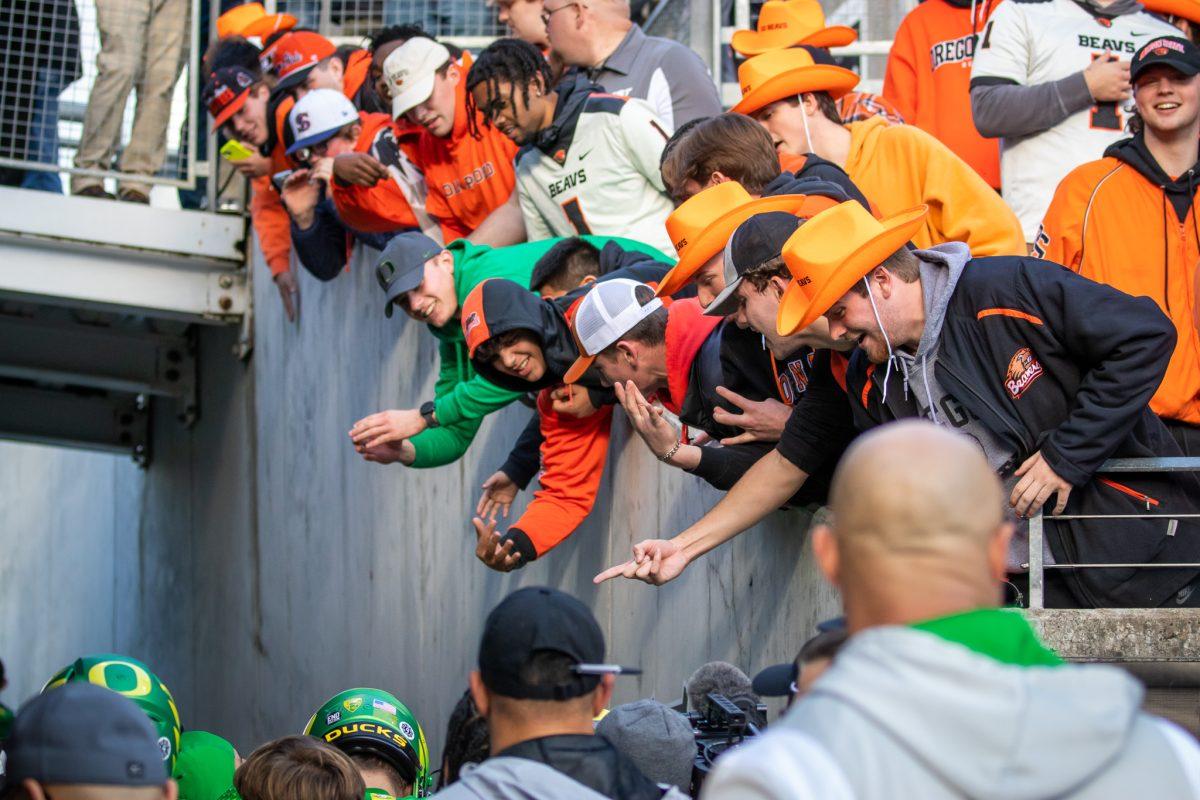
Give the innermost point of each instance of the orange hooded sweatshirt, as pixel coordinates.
(267, 214)
(1112, 221)
(929, 74)
(902, 166)
(468, 178)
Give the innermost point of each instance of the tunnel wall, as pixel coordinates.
(260, 565)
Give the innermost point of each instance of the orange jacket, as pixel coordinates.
(358, 67)
(574, 452)
(929, 74)
(901, 166)
(1108, 222)
(381, 208)
(267, 214)
(468, 178)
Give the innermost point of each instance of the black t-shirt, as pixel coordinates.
(820, 425)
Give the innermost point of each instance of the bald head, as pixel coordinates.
(917, 521)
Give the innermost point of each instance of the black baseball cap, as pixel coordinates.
(400, 267)
(536, 619)
(80, 733)
(1174, 51)
(755, 242)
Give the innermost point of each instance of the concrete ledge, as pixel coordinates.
(1121, 635)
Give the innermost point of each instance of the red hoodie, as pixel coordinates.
(687, 329)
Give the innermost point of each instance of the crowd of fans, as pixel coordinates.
(1003, 246)
(581, 227)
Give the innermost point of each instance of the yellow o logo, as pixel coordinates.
(98, 675)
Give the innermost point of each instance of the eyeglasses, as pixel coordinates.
(547, 14)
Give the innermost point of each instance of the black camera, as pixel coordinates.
(721, 726)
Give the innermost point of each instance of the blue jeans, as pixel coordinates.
(42, 145)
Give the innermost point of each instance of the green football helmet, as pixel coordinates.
(371, 721)
(133, 679)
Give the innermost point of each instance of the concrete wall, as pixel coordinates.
(260, 565)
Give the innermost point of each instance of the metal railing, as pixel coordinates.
(1037, 565)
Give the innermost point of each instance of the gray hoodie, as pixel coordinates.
(508, 778)
(903, 713)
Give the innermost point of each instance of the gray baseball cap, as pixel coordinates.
(80, 733)
(658, 739)
(401, 265)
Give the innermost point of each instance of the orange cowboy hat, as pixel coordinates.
(251, 19)
(1188, 9)
(702, 225)
(791, 23)
(787, 73)
(835, 250)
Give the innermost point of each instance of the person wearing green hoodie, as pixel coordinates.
(430, 283)
(942, 692)
(205, 765)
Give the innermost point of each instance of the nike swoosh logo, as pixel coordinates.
(585, 154)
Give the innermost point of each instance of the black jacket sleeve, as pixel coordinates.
(321, 248)
(821, 423)
(522, 463)
(721, 467)
(1121, 345)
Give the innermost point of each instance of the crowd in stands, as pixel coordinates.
(994, 264)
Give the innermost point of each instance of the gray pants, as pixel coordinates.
(142, 44)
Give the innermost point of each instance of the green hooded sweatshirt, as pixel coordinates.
(461, 398)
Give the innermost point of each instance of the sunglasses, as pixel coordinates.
(547, 14)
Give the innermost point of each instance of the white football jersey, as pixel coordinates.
(603, 179)
(1031, 42)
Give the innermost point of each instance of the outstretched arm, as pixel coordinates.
(765, 487)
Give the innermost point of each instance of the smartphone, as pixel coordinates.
(280, 177)
(233, 150)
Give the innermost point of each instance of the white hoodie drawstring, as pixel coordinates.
(928, 391)
(888, 342)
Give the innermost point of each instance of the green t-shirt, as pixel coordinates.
(6, 721)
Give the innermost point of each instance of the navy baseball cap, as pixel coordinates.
(80, 733)
(1174, 51)
(401, 265)
(537, 619)
(226, 93)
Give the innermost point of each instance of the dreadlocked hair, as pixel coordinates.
(467, 740)
(512, 60)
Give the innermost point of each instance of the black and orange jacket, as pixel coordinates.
(929, 75)
(1034, 352)
(1121, 220)
(381, 208)
(573, 450)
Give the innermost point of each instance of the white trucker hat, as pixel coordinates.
(409, 72)
(318, 116)
(606, 313)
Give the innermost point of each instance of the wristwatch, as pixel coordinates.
(426, 411)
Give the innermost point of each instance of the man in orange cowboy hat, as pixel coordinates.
(801, 23)
(1015, 352)
(896, 166)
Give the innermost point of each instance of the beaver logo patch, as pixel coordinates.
(1023, 370)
